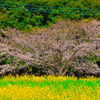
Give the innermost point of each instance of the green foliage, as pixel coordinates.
(46, 66)
(24, 48)
(21, 25)
(25, 20)
(1, 51)
(63, 63)
(28, 28)
(44, 54)
(3, 55)
(92, 58)
(21, 63)
(98, 63)
(5, 61)
(55, 58)
(72, 70)
(38, 69)
(36, 20)
(11, 60)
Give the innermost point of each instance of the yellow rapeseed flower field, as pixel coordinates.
(49, 88)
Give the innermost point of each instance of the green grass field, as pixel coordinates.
(49, 88)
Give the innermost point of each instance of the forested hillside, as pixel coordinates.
(25, 14)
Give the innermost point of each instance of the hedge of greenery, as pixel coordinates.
(22, 19)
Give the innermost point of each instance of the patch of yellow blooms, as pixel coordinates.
(19, 92)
